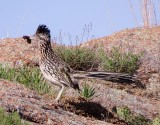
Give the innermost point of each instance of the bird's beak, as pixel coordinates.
(29, 38)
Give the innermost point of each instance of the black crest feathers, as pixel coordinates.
(43, 29)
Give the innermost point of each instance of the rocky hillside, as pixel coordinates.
(15, 52)
(137, 40)
(37, 109)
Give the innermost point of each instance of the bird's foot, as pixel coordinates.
(56, 102)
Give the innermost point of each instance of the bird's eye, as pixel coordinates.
(41, 36)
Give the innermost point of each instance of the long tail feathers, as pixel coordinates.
(108, 76)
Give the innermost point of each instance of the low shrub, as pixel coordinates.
(117, 61)
(125, 114)
(156, 121)
(78, 58)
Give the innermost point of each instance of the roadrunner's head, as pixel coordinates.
(42, 35)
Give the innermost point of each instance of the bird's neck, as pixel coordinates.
(45, 50)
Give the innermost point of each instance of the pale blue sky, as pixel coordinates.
(20, 18)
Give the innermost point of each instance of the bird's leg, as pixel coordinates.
(60, 93)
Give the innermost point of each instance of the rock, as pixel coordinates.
(34, 108)
(110, 97)
(17, 52)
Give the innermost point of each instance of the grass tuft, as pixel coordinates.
(118, 61)
(30, 77)
(87, 92)
(10, 118)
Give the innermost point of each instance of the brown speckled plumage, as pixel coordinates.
(52, 67)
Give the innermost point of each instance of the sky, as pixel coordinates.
(70, 21)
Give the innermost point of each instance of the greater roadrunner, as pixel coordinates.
(52, 67)
(58, 72)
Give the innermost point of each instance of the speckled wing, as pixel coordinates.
(59, 70)
(65, 77)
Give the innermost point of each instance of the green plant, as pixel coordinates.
(10, 118)
(156, 121)
(139, 120)
(87, 92)
(125, 114)
(30, 77)
(117, 61)
(79, 58)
